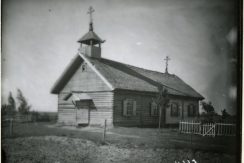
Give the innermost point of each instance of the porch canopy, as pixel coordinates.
(77, 97)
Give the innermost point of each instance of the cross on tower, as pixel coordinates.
(166, 60)
(90, 11)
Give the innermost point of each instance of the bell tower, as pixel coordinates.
(90, 43)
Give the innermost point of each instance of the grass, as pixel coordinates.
(168, 138)
(41, 129)
(131, 137)
(55, 149)
(38, 142)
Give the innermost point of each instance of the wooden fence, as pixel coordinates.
(7, 127)
(18, 117)
(8, 123)
(207, 129)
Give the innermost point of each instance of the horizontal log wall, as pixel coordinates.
(143, 108)
(100, 109)
(98, 116)
(86, 80)
(143, 115)
(67, 116)
(183, 110)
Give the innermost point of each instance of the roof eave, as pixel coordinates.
(87, 42)
(102, 77)
(90, 36)
(69, 71)
(154, 92)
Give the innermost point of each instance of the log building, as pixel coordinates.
(92, 89)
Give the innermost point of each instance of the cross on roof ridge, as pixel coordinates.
(166, 60)
(90, 11)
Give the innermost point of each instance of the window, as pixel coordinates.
(129, 107)
(154, 109)
(83, 67)
(191, 110)
(174, 109)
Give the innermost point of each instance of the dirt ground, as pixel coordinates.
(56, 149)
(45, 142)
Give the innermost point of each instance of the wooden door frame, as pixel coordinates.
(76, 109)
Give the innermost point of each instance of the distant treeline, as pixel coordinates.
(32, 116)
(20, 110)
(210, 116)
(44, 116)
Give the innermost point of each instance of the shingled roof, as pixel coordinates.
(90, 36)
(128, 77)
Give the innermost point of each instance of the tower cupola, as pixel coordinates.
(90, 43)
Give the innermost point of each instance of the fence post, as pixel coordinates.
(180, 126)
(191, 131)
(160, 116)
(11, 127)
(203, 129)
(200, 128)
(104, 132)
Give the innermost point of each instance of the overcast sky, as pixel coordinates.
(39, 38)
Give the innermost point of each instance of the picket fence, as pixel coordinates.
(207, 129)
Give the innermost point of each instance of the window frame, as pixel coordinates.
(193, 111)
(172, 113)
(125, 108)
(154, 113)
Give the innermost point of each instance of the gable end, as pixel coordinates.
(67, 74)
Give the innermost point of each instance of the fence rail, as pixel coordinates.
(207, 129)
(7, 127)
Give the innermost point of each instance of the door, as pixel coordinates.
(82, 112)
